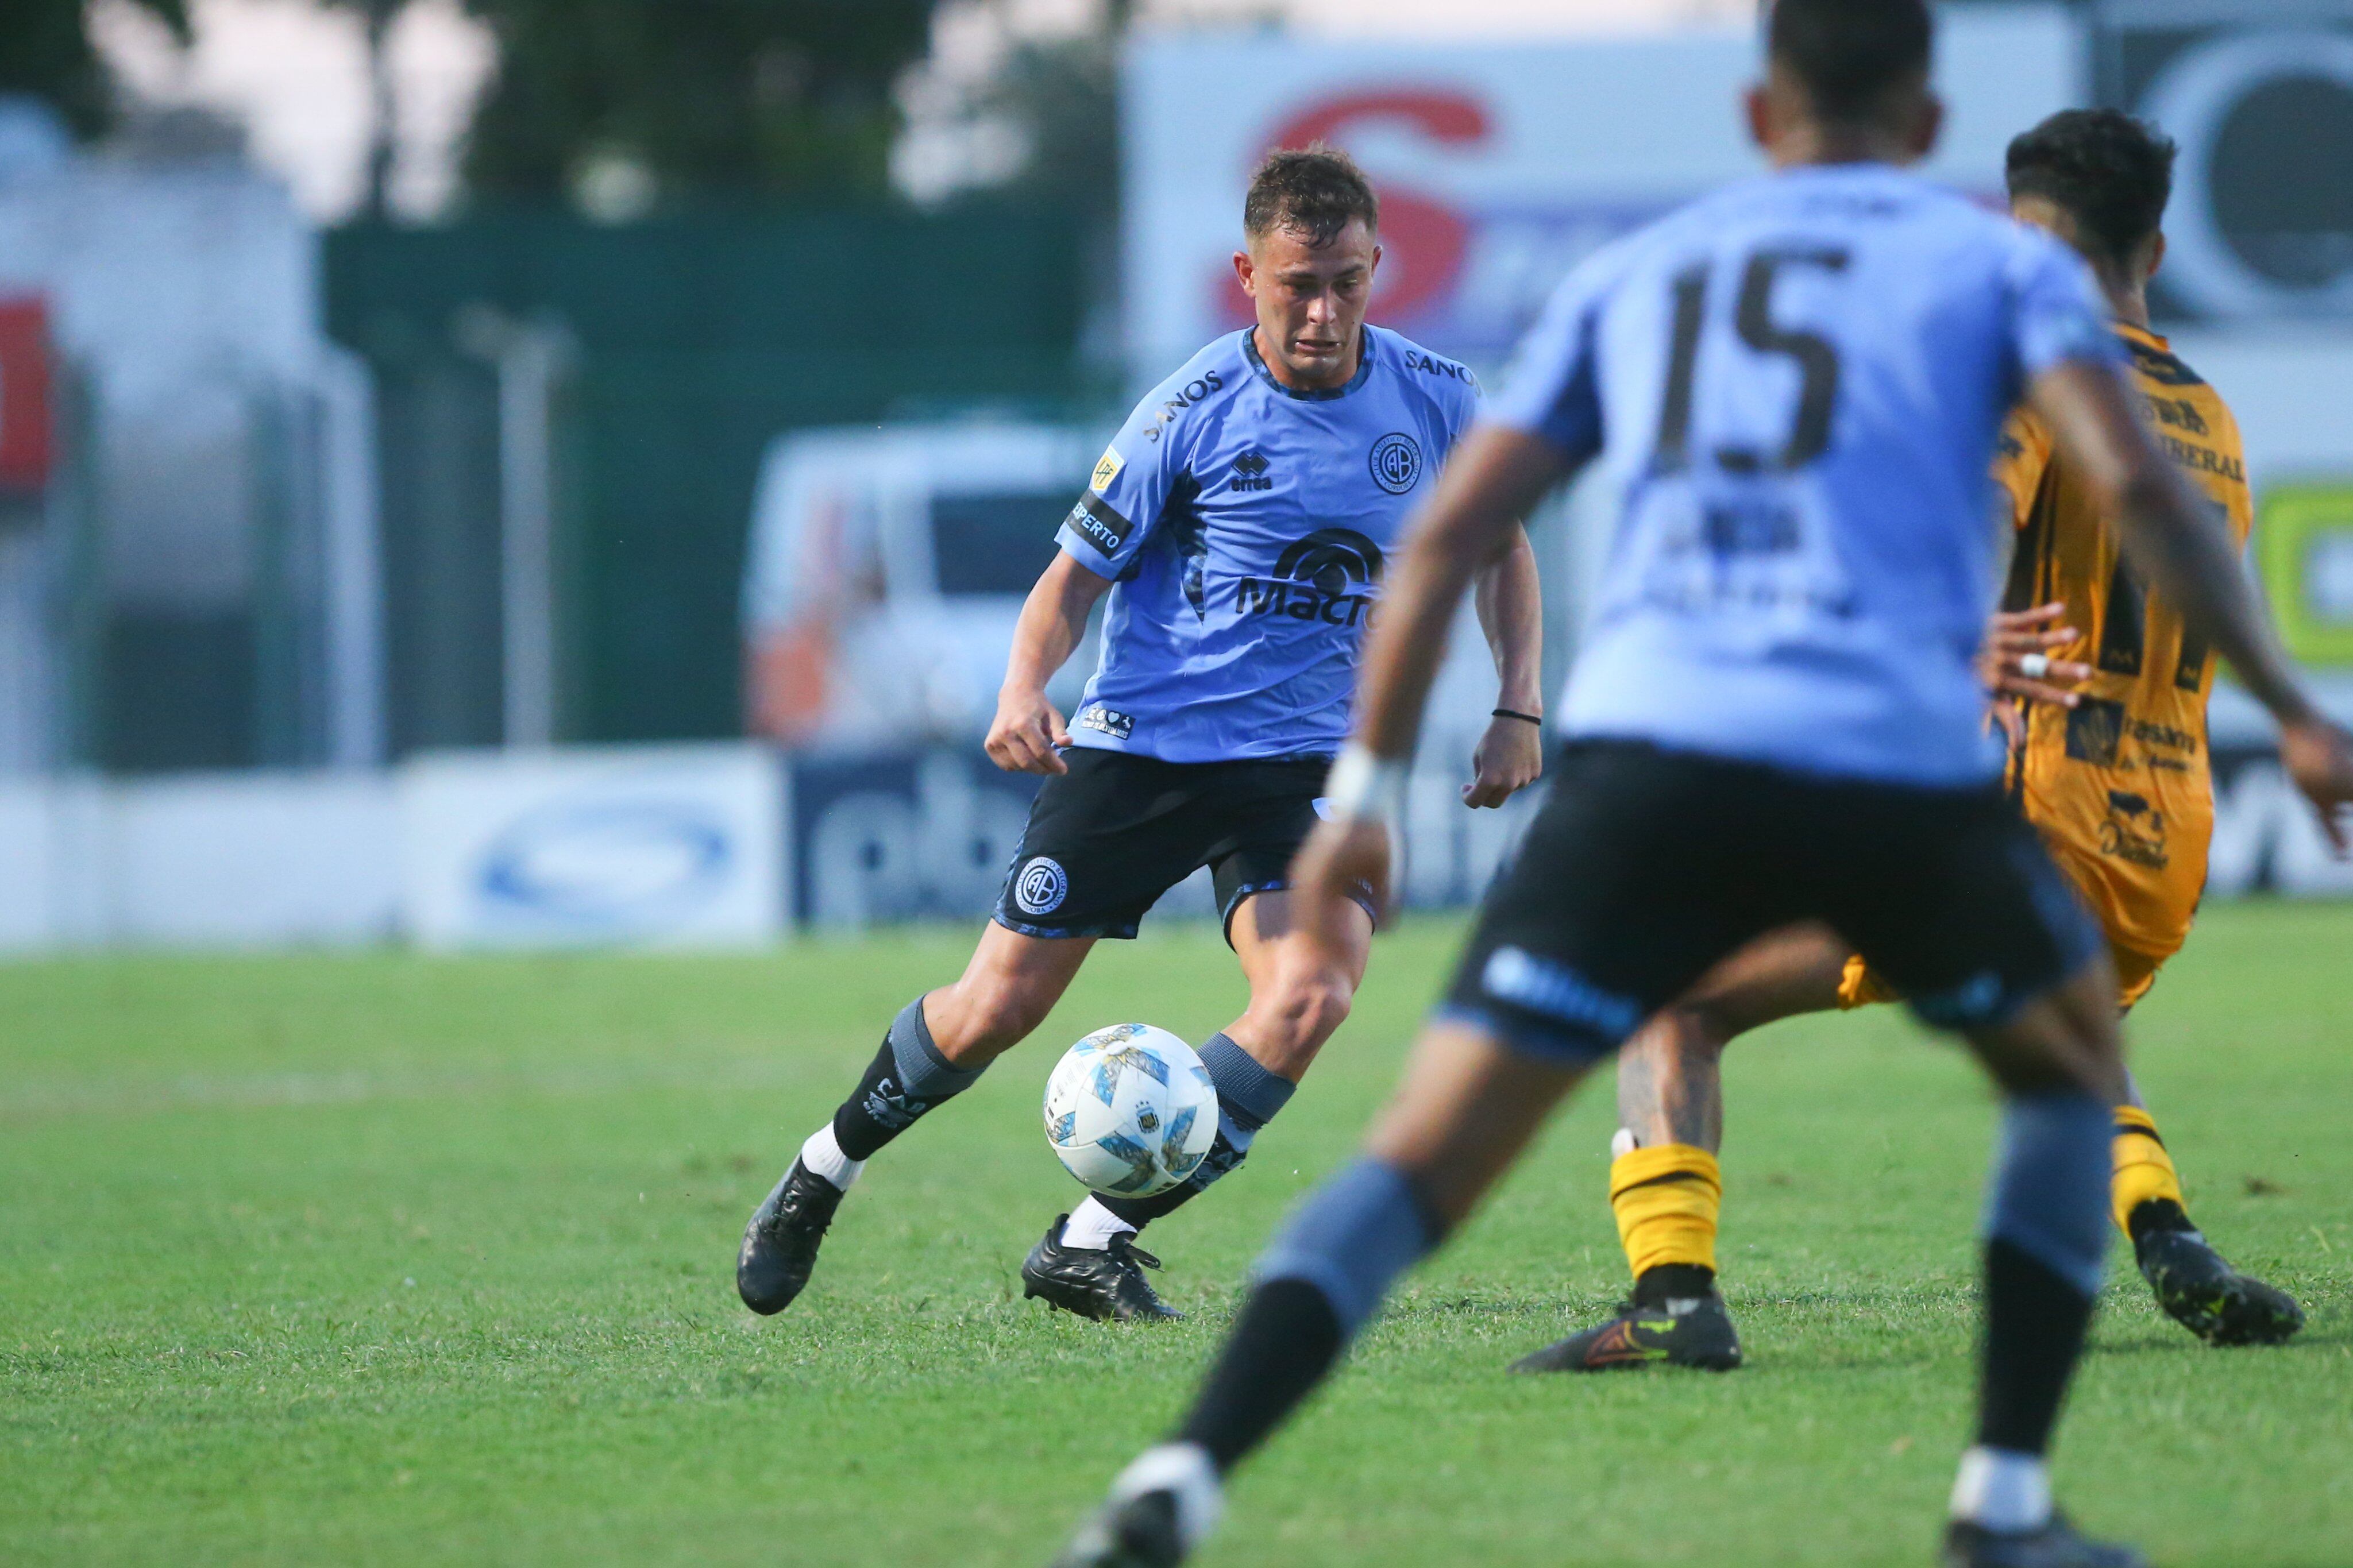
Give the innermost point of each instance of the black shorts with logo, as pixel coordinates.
(1646, 866)
(1107, 837)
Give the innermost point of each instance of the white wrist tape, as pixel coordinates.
(2034, 666)
(1367, 788)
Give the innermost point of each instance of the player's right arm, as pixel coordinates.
(2190, 558)
(1023, 736)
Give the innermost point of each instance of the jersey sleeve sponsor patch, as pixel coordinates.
(1107, 469)
(1095, 521)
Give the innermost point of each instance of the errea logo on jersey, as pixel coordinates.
(1324, 577)
(1249, 473)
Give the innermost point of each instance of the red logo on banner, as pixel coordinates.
(25, 445)
(1422, 239)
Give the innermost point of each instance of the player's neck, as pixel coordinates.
(2128, 302)
(1285, 376)
(1821, 145)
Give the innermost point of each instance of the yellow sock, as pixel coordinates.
(2143, 1169)
(1666, 1200)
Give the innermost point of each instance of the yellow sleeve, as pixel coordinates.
(2021, 455)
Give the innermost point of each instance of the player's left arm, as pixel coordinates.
(1510, 755)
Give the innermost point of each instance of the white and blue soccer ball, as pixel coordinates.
(1130, 1111)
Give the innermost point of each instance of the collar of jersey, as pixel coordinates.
(1313, 394)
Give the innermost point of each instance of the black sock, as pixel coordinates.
(1286, 1338)
(1671, 1282)
(907, 1078)
(2153, 1216)
(2034, 1328)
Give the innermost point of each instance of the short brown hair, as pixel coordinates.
(1315, 190)
(2111, 173)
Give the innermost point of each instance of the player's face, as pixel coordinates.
(1310, 299)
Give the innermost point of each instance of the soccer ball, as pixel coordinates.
(1130, 1111)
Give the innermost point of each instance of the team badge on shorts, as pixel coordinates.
(1041, 887)
(1396, 462)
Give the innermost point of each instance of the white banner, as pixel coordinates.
(1499, 167)
(642, 846)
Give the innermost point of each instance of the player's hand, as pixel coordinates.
(1023, 736)
(2318, 757)
(1338, 860)
(1509, 758)
(2018, 659)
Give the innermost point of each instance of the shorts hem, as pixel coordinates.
(1555, 1047)
(1282, 884)
(1112, 930)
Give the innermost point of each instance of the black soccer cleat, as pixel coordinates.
(1140, 1532)
(2199, 1290)
(1691, 1331)
(780, 1244)
(2057, 1544)
(1106, 1284)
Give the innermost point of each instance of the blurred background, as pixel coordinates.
(495, 472)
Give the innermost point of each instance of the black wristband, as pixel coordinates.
(1523, 718)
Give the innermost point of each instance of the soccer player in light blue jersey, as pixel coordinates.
(1794, 387)
(1242, 522)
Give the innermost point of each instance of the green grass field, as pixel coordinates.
(390, 1260)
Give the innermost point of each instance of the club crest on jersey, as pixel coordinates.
(1396, 462)
(1327, 576)
(1041, 887)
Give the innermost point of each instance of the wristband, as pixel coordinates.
(1515, 713)
(1365, 788)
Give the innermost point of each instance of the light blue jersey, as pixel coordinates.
(1795, 387)
(1247, 527)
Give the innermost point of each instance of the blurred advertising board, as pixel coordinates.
(881, 836)
(1499, 167)
(25, 415)
(2259, 94)
(633, 847)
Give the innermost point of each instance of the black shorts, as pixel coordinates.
(1646, 866)
(1107, 838)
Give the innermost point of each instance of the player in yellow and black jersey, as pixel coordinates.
(2105, 708)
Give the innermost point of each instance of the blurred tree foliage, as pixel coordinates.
(46, 51)
(766, 96)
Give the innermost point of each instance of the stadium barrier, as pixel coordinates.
(725, 845)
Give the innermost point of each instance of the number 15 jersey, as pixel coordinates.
(1794, 387)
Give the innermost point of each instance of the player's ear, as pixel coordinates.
(1373, 271)
(1245, 274)
(1757, 103)
(2156, 255)
(1928, 126)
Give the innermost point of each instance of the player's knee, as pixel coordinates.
(1693, 1033)
(1308, 1006)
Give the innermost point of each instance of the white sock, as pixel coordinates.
(1093, 1226)
(823, 1154)
(2002, 1489)
(1184, 1469)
